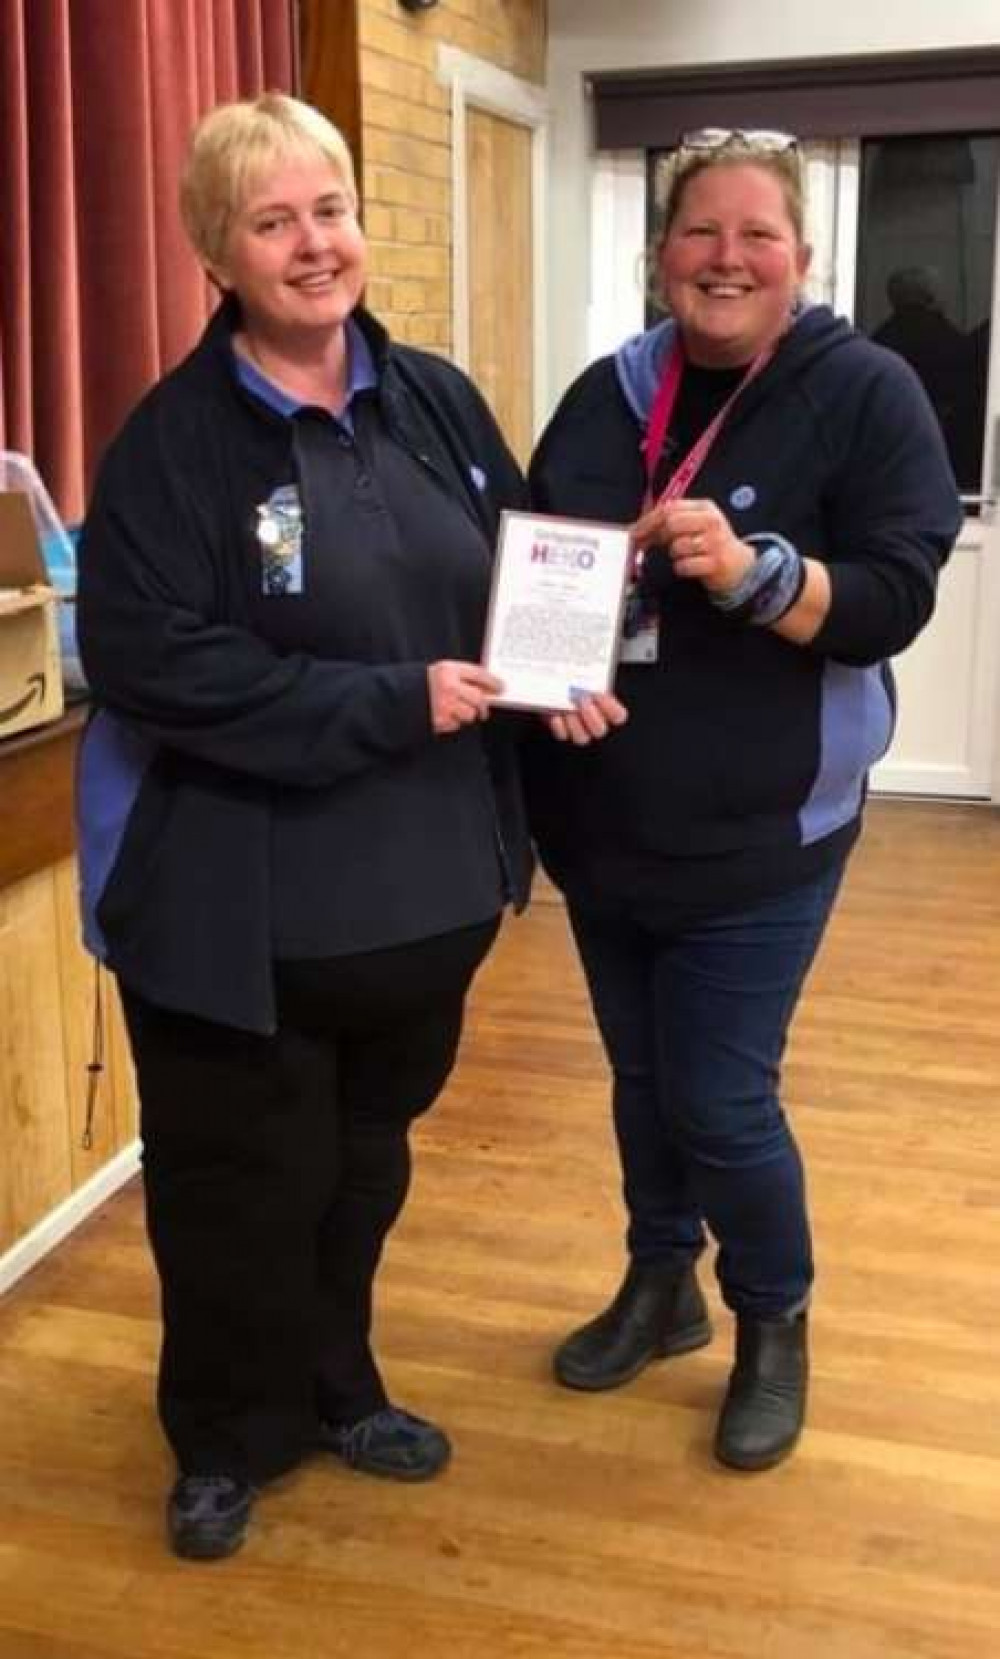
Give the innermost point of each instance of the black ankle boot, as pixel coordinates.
(765, 1404)
(659, 1310)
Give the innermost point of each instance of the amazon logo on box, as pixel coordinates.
(31, 691)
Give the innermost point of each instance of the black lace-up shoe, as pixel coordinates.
(207, 1516)
(659, 1310)
(765, 1405)
(390, 1442)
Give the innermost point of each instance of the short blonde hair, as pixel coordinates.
(237, 145)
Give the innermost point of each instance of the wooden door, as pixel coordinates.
(331, 74)
(501, 312)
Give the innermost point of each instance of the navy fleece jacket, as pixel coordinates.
(742, 768)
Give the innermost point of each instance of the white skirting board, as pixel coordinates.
(54, 1227)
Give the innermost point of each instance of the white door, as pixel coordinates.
(905, 238)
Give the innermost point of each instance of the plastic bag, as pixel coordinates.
(58, 545)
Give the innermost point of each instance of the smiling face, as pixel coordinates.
(295, 254)
(731, 263)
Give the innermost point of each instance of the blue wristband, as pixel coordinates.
(771, 586)
(785, 591)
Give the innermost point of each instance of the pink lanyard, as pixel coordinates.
(659, 424)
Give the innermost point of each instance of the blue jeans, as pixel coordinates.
(694, 1023)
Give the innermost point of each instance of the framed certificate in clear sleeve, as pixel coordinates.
(554, 622)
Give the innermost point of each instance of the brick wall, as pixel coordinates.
(406, 139)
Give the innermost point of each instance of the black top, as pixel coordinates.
(701, 394)
(395, 571)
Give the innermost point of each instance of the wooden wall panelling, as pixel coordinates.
(36, 785)
(36, 1168)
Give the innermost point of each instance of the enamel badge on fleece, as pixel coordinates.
(279, 536)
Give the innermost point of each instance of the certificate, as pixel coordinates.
(556, 608)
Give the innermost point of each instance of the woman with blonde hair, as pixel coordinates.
(792, 504)
(298, 824)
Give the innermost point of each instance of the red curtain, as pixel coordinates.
(99, 292)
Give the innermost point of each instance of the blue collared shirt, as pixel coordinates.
(361, 377)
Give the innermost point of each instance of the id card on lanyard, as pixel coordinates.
(641, 626)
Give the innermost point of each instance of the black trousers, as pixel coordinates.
(273, 1169)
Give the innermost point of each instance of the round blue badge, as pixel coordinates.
(743, 497)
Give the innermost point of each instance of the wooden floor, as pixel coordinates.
(573, 1526)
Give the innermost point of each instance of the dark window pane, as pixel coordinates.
(926, 236)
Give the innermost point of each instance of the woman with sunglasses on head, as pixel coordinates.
(299, 823)
(792, 505)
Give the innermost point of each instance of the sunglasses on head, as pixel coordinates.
(749, 138)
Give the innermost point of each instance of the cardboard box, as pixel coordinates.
(31, 690)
